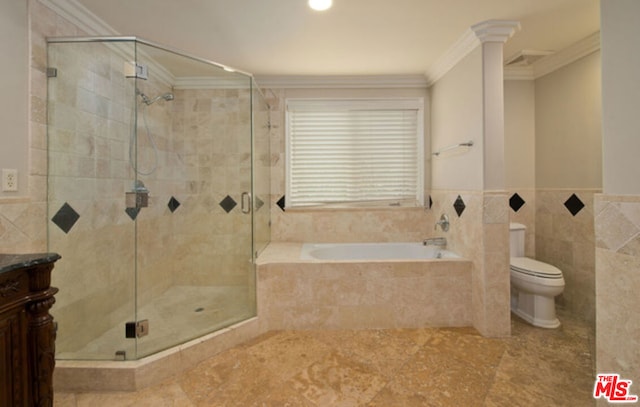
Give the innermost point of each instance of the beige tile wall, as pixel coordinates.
(367, 295)
(568, 242)
(617, 230)
(526, 215)
(352, 225)
(480, 234)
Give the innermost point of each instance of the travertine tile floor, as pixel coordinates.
(405, 367)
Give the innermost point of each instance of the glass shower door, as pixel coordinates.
(194, 269)
(90, 115)
(151, 169)
(262, 199)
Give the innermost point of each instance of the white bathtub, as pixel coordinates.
(373, 251)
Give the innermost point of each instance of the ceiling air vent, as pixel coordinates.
(526, 57)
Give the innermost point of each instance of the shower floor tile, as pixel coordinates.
(179, 314)
(398, 367)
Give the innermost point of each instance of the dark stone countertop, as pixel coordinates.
(9, 262)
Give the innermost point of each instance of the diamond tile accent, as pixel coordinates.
(132, 212)
(173, 204)
(459, 205)
(228, 204)
(65, 218)
(280, 203)
(430, 202)
(516, 202)
(259, 203)
(574, 204)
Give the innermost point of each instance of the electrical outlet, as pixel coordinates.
(9, 180)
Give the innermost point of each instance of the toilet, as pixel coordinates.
(534, 284)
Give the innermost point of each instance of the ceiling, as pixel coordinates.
(354, 37)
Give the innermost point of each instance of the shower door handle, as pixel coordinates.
(245, 202)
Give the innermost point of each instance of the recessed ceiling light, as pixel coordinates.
(320, 5)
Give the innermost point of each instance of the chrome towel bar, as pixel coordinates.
(451, 147)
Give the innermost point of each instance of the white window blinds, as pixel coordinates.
(354, 151)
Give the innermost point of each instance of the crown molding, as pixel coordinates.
(486, 31)
(341, 81)
(554, 61)
(567, 55)
(518, 73)
(460, 49)
(80, 16)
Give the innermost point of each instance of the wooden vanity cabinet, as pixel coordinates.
(27, 332)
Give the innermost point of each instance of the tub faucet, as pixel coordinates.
(443, 222)
(435, 241)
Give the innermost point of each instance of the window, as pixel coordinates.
(344, 151)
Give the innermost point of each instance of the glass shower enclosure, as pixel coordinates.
(157, 195)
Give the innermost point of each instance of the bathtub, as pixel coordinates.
(362, 286)
(373, 251)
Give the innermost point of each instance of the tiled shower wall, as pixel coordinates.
(213, 128)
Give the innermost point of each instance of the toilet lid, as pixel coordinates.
(535, 268)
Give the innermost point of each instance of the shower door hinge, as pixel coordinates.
(52, 72)
(137, 329)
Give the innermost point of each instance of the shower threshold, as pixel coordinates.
(88, 375)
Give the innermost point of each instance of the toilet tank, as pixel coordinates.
(516, 239)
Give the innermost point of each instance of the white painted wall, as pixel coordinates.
(457, 116)
(621, 96)
(14, 70)
(493, 104)
(568, 136)
(519, 143)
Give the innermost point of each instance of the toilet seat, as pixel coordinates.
(534, 268)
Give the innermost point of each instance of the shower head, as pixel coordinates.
(167, 96)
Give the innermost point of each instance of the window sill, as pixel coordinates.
(355, 208)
